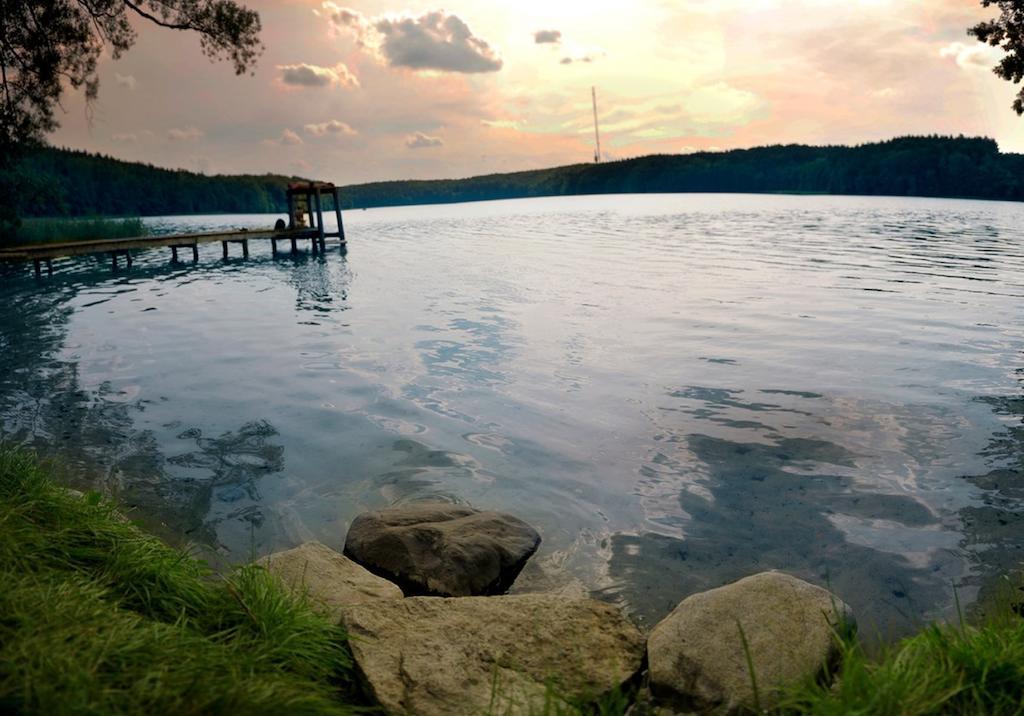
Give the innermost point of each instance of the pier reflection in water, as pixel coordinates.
(191, 487)
(676, 390)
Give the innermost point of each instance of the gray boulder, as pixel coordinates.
(696, 655)
(502, 655)
(442, 549)
(332, 581)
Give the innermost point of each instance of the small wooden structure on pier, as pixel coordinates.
(305, 222)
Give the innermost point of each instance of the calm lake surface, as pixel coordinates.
(677, 390)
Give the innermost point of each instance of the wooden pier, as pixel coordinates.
(305, 200)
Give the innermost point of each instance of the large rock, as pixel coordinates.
(696, 654)
(442, 549)
(476, 655)
(332, 581)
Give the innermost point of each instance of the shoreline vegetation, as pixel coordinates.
(55, 230)
(99, 617)
(74, 183)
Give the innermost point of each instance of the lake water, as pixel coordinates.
(676, 390)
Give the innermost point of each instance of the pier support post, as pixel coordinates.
(295, 248)
(49, 267)
(174, 254)
(195, 252)
(245, 248)
(113, 260)
(224, 247)
(337, 213)
(273, 246)
(36, 265)
(128, 258)
(319, 217)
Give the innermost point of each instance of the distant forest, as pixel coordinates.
(64, 182)
(907, 166)
(75, 183)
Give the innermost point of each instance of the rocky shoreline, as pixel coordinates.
(420, 590)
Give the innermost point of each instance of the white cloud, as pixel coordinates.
(306, 75)
(583, 55)
(701, 111)
(503, 123)
(886, 93)
(129, 137)
(288, 137)
(419, 140)
(184, 135)
(975, 56)
(436, 40)
(331, 127)
(721, 103)
(343, 17)
(125, 80)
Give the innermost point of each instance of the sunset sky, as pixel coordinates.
(355, 90)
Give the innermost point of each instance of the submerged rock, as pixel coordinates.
(505, 654)
(696, 654)
(442, 549)
(332, 580)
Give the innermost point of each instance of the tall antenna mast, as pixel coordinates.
(597, 133)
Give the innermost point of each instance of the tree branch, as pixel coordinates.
(157, 20)
(8, 105)
(95, 21)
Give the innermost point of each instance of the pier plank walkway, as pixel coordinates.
(28, 252)
(42, 253)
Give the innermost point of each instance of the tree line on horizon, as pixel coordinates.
(71, 183)
(931, 166)
(76, 183)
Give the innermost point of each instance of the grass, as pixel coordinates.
(617, 702)
(97, 617)
(944, 669)
(66, 229)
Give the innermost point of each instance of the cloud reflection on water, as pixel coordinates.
(692, 387)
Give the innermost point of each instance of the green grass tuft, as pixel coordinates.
(944, 669)
(98, 617)
(61, 229)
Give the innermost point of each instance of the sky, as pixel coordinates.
(352, 91)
